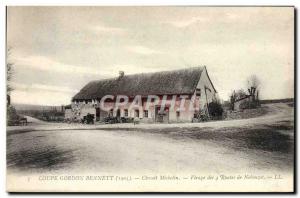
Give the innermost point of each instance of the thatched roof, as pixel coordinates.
(182, 81)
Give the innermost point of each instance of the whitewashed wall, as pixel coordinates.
(204, 81)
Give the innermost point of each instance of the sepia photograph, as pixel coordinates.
(150, 99)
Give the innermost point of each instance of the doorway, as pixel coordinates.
(97, 114)
(161, 115)
(118, 115)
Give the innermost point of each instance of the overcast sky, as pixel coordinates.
(57, 50)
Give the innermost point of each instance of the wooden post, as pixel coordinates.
(206, 101)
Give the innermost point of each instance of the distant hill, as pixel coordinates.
(267, 101)
(277, 100)
(41, 112)
(28, 107)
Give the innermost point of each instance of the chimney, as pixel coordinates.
(121, 74)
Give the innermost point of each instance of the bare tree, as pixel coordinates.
(241, 93)
(9, 73)
(253, 86)
(232, 97)
(235, 95)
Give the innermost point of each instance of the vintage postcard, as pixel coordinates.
(150, 99)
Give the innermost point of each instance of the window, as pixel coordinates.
(111, 112)
(137, 113)
(125, 112)
(146, 114)
(198, 92)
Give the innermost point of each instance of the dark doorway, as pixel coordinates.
(161, 115)
(137, 113)
(97, 114)
(118, 115)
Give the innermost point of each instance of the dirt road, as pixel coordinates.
(251, 145)
(275, 112)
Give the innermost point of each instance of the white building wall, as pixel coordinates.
(204, 81)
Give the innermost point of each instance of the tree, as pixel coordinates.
(235, 95)
(253, 81)
(215, 109)
(9, 73)
(241, 93)
(253, 85)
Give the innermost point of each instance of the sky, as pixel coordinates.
(57, 50)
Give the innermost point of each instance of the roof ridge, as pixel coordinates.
(172, 81)
(150, 73)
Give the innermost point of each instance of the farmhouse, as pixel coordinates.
(168, 96)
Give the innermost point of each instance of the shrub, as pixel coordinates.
(249, 104)
(244, 105)
(215, 110)
(12, 117)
